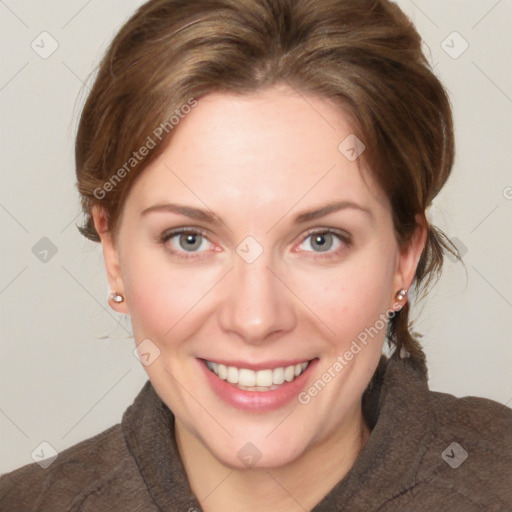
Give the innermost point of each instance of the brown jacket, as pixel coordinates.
(413, 461)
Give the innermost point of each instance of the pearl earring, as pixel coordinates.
(116, 297)
(401, 294)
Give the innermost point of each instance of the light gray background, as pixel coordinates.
(67, 367)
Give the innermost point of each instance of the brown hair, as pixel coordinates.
(364, 55)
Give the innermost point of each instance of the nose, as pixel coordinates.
(257, 305)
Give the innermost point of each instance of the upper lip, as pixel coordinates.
(265, 365)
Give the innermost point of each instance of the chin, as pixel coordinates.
(253, 448)
(250, 456)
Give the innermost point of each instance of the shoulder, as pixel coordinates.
(79, 473)
(469, 456)
(472, 415)
(435, 449)
(483, 425)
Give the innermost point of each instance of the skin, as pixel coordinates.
(256, 162)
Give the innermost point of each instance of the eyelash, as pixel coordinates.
(168, 235)
(344, 238)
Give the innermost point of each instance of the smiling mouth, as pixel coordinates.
(261, 380)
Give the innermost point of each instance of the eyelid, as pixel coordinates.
(343, 236)
(172, 232)
(340, 233)
(168, 234)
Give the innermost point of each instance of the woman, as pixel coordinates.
(257, 172)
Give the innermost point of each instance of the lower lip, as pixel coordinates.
(257, 401)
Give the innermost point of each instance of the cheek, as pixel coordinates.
(352, 299)
(163, 297)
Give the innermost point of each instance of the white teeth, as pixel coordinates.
(264, 378)
(232, 375)
(289, 373)
(278, 376)
(222, 371)
(261, 379)
(246, 378)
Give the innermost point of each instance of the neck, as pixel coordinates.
(296, 486)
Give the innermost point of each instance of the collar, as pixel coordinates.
(395, 405)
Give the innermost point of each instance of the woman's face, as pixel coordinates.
(252, 248)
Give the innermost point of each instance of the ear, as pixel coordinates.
(408, 260)
(111, 258)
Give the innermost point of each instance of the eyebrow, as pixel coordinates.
(210, 218)
(187, 211)
(330, 208)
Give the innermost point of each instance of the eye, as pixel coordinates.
(321, 242)
(182, 241)
(325, 241)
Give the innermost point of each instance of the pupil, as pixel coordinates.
(322, 242)
(190, 241)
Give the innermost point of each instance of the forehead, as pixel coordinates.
(269, 149)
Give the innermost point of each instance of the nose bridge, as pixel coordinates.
(256, 304)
